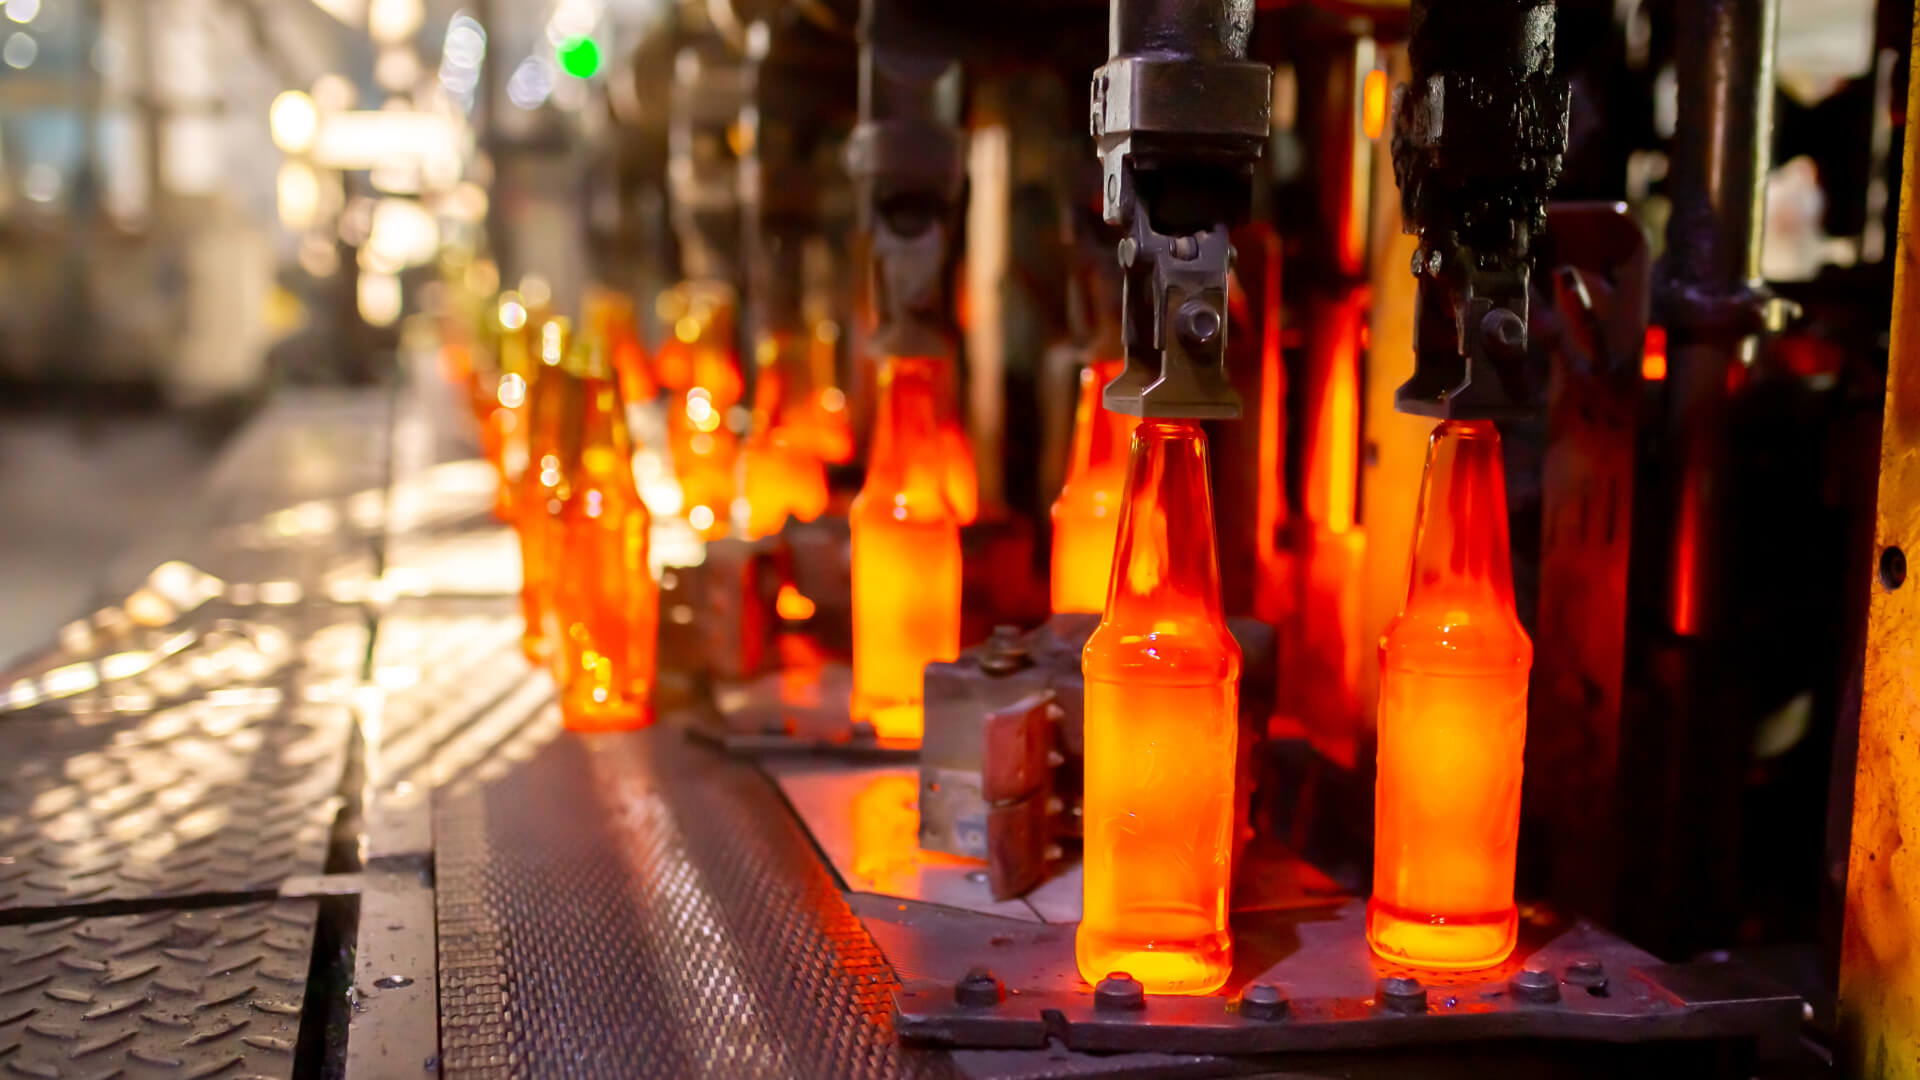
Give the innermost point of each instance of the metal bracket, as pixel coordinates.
(1174, 304)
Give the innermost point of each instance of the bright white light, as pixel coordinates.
(334, 92)
(390, 22)
(531, 84)
(396, 68)
(700, 517)
(293, 120)
(379, 299)
(23, 11)
(42, 182)
(297, 195)
(466, 43)
(404, 232)
(368, 139)
(20, 51)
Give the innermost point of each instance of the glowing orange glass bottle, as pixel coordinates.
(780, 468)
(1086, 515)
(605, 598)
(1452, 722)
(906, 554)
(542, 487)
(500, 400)
(1162, 693)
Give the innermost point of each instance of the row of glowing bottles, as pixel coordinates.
(1162, 723)
(553, 421)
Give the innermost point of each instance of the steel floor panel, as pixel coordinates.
(635, 906)
(174, 994)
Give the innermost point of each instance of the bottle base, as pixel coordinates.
(1162, 966)
(1441, 943)
(615, 716)
(892, 720)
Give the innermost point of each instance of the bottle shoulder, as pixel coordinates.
(1168, 653)
(1456, 641)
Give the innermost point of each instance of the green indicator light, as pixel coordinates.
(579, 57)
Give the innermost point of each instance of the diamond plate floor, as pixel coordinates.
(173, 994)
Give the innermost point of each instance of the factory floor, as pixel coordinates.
(75, 488)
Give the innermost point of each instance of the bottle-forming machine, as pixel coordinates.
(292, 802)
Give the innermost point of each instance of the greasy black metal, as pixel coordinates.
(1722, 149)
(90, 806)
(908, 168)
(1180, 116)
(1479, 133)
(801, 83)
(637, 905)
(709, 86)
(163, 993)
(1338, 996)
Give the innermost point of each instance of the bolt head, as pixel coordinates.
(979, 988)
(1540, 987)
(1120, 991)
(1401, 993)
(1129, 248)
(1263, 1001)
(1199, 322)
(1434, 262)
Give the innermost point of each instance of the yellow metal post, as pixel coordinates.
(1880, 952)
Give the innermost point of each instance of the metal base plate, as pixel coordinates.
(1329, 979)
(795, 712)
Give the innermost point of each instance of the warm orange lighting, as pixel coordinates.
(1452, 723)
(699, 365)
(542, 488)
(605, 598)
(793, 605)
(1161, 705)
(962, 475)
(614, 325)
(1086, 516)
(1373, 104)
(906, 554)
(1333, 415)
(1653, 362)
(886, 831)
(782, 474)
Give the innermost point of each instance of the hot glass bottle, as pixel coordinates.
(782, 474)
(698, 364)
(500, 398)
(542, 487)
(1162, 688)
(605, 598)
(1452, 722)
(1086, 515)
(906, 554)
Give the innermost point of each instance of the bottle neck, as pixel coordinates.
(906, 455)
(601, 449)
(1461, 555)
(1102, 438)
(1166, 566)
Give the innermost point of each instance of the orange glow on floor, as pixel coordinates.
(1653, 362)
(606, 602)
(1452, 723)
(1086, 516)
(906, 554)
(1161, 725)
(1373, 104)
(886, 830)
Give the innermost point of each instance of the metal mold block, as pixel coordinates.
(168, 993)
(1338, 995)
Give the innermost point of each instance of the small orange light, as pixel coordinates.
(792, 604)
(1653, 362)
(1373, 103)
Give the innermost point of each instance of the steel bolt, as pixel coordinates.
(1129, 248)
(1120, 991)
(1434, 262)
(1263, 1001)
(1586, 971)
(1419, 265)
(1539, 987)
(1199, 323)
(1004, 653)
(1403, 994)
(979, 988)
(1503, 332)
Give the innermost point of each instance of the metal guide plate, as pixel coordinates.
(637, 905)
(215, 992)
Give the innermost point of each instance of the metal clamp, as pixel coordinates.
(1174, 304)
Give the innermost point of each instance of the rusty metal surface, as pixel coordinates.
(215, 992)
(1880, 948)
